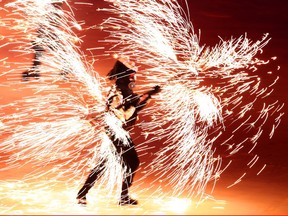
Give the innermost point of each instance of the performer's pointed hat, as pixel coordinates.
(121, 69)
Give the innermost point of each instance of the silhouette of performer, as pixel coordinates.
(125, 105)
(42, 36)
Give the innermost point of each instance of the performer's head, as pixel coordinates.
(123, 73)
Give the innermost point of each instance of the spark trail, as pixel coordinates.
(210, 98)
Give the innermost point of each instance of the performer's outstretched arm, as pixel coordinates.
(145, 97)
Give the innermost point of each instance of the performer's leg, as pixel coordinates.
(131, 162)
(94, 175)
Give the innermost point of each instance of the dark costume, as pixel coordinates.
(124, 104)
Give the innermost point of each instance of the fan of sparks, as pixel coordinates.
(46, 128)
(211, 97)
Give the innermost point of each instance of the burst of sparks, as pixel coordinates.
(206, 91)
(47, 127)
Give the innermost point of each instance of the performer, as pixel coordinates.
(42, 37)
(125, 105)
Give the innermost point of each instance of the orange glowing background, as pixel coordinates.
(266, 193)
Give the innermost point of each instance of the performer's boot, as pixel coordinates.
(81, 197)
(82, 200)
(125, 199)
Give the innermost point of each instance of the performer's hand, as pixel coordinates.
(156, 89)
